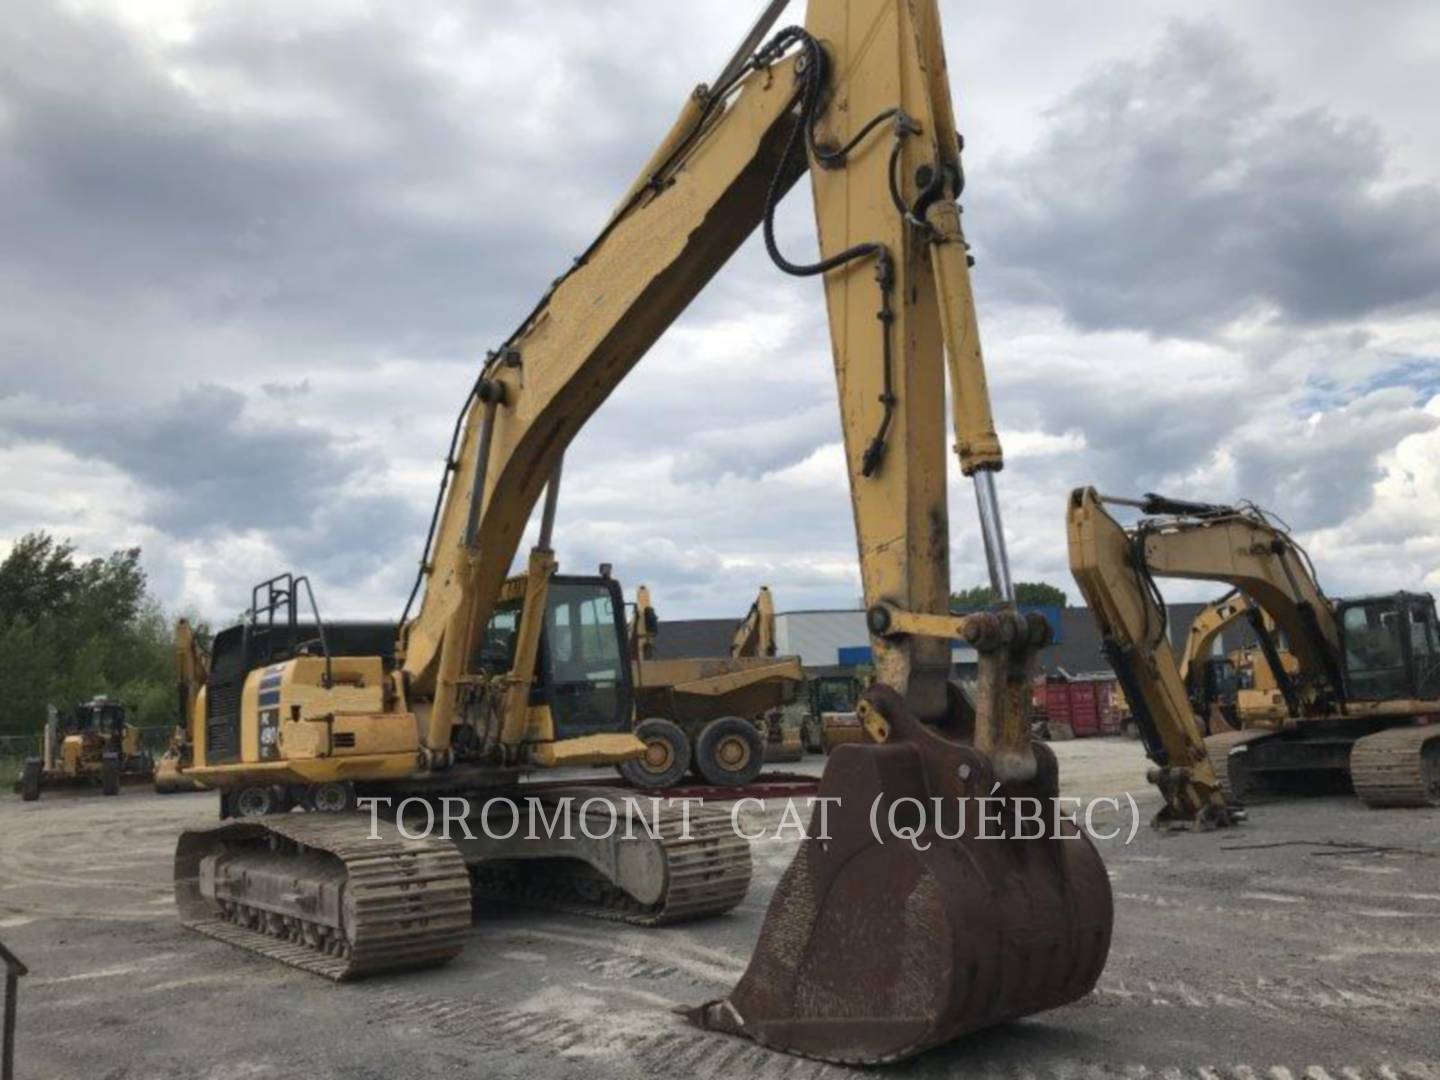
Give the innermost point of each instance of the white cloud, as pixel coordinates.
(255, 252)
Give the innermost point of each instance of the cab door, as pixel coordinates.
(587, 672)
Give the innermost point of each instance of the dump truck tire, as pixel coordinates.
(30, 779)
(729, 752)
(110, 776)
(667, 755)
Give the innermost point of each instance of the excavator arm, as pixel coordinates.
(1116, 569)
(1131, 618)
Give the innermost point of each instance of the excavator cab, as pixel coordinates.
(582, 672)
(100, 717)
(1218, 688)
(1391, 647)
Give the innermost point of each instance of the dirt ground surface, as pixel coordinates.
(1304, 946)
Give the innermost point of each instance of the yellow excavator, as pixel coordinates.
(1362, 692)
(870, 951)
(193, 662)
(1238, 690)
(710, 716)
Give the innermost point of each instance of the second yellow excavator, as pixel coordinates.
(1362, 692)
(1239, 689)
(871, 951)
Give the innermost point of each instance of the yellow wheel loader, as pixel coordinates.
(716, 718)
(870, 951)
(1361, 683)
(94, 745)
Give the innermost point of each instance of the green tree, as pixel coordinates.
(37, 579)
(70, 629)
(1026, 592)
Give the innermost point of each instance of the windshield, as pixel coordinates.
(1425, 649)
(1374, 652)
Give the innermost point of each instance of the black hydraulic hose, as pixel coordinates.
(813, 71)
(812, 74)
(450, 466)
(1146, 581)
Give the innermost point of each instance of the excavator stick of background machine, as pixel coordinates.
(919, 913)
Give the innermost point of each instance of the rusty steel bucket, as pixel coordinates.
(874, 951)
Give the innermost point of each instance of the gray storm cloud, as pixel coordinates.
(1173, 195)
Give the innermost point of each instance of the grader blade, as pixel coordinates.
(904, 930)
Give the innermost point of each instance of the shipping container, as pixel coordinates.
(1085, 706)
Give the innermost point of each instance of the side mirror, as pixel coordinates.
(652, 621)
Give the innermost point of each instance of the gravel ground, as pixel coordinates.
(1301, 947)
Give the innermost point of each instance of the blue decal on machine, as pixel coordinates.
(269, 697)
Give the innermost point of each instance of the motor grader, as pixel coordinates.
(716, 718)
(1361, 689)
(92, 745)
(869, 952)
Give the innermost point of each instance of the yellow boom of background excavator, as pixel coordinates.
(869, 952)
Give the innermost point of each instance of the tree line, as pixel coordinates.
(1026, 592)
(72, 628)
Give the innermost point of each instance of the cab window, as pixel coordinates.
(1374, 652)
(589, 673)
(496, 654)
(1425, 650)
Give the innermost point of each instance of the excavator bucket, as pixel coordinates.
(927, 913)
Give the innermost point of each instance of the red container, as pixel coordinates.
(1084, 716)
(1087, 707)
(1109, 714)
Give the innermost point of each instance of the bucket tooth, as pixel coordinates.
(875, 948)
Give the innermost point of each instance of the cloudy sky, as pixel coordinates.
(252, 254)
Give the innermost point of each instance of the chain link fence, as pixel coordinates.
(14, 749)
